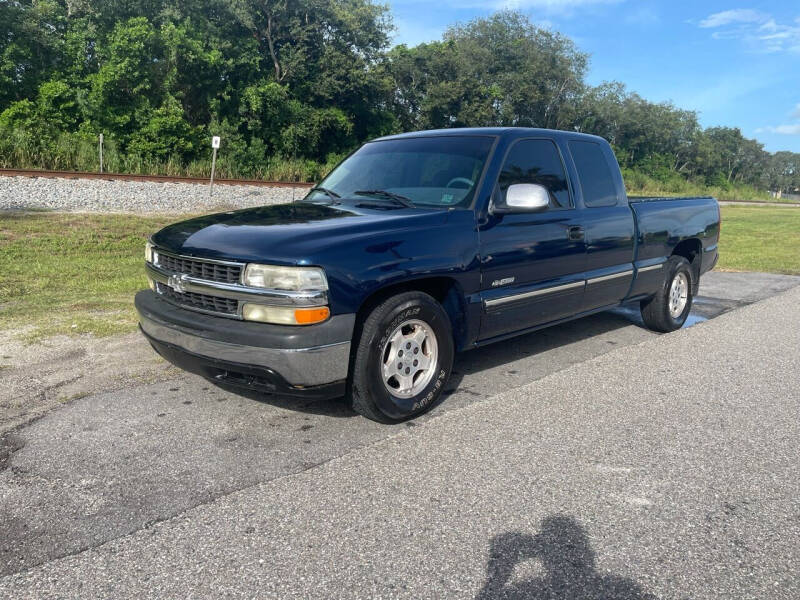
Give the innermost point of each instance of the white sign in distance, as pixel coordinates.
(215, 142)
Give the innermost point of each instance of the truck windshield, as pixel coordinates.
(429, 171)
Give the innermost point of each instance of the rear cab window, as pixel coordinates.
(594, 174)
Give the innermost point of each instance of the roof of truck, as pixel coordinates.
(511, 132)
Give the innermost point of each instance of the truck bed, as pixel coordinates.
(633, 199)
(663, 224)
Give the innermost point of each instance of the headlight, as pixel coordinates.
(293, 279)
(149, 255)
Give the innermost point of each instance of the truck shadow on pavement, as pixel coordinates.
(483, 359)
(562, 549)
(532, 344)
(466, 363)
(337, 408)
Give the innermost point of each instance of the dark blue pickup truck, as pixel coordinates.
(418, 246)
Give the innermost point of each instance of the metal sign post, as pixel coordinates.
(215, 147)
(101, 152)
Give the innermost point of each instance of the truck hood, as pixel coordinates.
(294, 233)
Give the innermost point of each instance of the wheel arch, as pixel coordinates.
(445, 290)
(692, 250)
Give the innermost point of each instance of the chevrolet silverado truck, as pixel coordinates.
(418, 246)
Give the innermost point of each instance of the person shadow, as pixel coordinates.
(564, 552)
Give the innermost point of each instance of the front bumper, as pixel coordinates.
(308, 360)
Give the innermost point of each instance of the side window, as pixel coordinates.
(536, 161)
(594, 174)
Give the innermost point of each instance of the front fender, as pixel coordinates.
(358, 268)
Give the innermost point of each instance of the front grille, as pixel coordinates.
(216, 304)
(200, 269)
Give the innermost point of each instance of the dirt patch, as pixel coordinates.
(36, 378)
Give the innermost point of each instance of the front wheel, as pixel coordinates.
(670, 307)
(403, 358)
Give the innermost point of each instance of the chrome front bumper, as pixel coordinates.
(301, 364)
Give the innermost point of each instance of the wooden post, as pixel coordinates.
(101, 152)
(213, 167)
(214, 145)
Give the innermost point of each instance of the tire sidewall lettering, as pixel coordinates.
(432, 393)
(435, 387)
(678, 268)
(395, 322)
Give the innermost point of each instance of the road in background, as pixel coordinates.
(111, 464)
(746, 203)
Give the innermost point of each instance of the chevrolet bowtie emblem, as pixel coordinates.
(176, 283)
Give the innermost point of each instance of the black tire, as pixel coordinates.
(368, 392)
(656, 310)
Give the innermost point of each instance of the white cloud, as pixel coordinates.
(783, 129)
(737, 15)
(757, 29)
(787, 129)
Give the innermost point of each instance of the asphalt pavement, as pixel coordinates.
(594, 459)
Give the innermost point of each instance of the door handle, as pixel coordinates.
(575, 233)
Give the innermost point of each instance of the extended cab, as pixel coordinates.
(415, 247)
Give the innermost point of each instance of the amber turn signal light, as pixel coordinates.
(285, 315)
(307, 316)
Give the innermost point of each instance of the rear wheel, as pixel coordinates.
(670, 307)
(403, 358)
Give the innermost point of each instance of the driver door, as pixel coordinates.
(532, 264)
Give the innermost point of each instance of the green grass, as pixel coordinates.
(639, 183)
(75, 152)
(760, 238)
(77, 273)
(72, 273)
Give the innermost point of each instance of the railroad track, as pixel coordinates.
(149, 178)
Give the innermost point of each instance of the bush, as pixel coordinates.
(165, 135)
(638, 183)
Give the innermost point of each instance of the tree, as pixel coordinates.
(782, 172)
(733, 158)
(501, 70)
(31, 43)
(311, 79)
(129, 82)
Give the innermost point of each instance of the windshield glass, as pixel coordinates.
(428, 171)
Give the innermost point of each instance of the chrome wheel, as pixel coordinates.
(408, 358)
(678, 295)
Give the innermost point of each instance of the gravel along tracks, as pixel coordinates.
(93, 195)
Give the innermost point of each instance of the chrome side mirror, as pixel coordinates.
(524, 197)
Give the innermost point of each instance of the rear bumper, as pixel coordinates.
(303, 361)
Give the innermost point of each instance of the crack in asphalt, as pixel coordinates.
(477, 398)
(12, 442)
(16, 442)
(9, 443)
(410, 426)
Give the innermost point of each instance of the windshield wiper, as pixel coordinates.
(386, 194)
(330, 193)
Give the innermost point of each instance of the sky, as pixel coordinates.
(736, 63)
